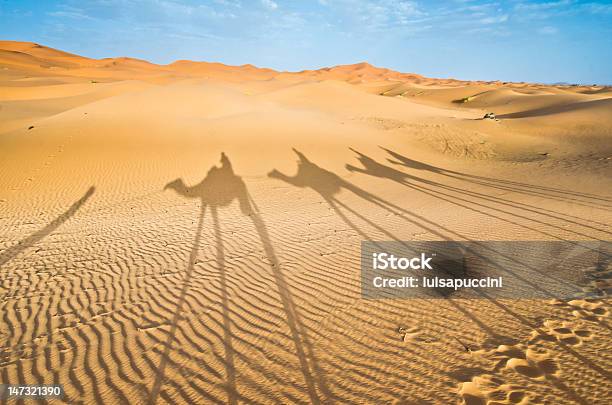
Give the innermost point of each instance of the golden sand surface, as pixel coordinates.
(191, 232)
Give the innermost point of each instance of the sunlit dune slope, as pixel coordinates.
(39, 82)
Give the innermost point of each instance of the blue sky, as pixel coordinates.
(543, 41)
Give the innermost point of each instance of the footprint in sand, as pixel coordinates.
(534, 365)
(590, 310)
(564, 332)
(490, 390)
(524, 360)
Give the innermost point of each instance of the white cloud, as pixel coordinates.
(482, 7)
(70, 14)
(379, 15)
(67, 11)
(494, 19)
(548, 30)
(561, 8)
(598, 8)
(543, 6)
(269, 4)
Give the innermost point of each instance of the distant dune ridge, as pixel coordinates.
(191, 232)
(32, 71)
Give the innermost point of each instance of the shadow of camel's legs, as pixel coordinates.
(332, 204)
(368, 221)
(432, 227)
(421, 185)
(227, 326)
(453, 199)
(179, 307)
(435, 228)
(298, 332)
(486, 201)
(496, 200)
(13, 251)
(527, 207)
(599, 203)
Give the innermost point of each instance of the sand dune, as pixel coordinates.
(191, 232)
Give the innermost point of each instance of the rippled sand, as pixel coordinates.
(191, 232)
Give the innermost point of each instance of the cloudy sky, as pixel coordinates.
(516, 40)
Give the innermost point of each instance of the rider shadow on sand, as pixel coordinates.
(219, 189)
(328, 185)
(505, 185)
(482, 202)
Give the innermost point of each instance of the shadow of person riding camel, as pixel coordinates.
(501, 184)
(324, 182)
(373, 168)
(478, 201)
(219, 189)
(328, 185)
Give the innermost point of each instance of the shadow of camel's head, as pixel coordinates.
(175, 185)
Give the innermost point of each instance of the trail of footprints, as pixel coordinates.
(488, 389)
(36, 170)
(589, 310)
(566, 332)
(523, 359)
(530, 359)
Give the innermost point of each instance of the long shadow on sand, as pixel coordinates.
(483, 204)
(34, 238)
(480, 202)
(219, 189)
(329, 184)
(506, 185)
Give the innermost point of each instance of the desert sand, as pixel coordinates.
(191, 232)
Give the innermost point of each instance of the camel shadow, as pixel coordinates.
(34, 238)
(219, 189)
(328, 184)
(559, 194)
(481, 202)
(484, 204)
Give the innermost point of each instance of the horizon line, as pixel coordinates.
(314, 69)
